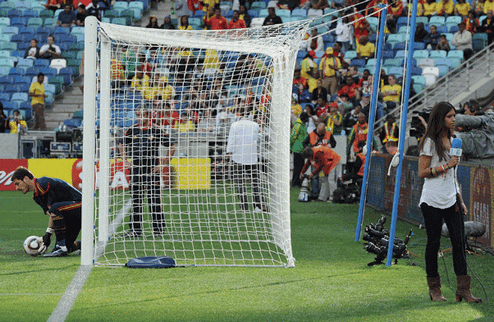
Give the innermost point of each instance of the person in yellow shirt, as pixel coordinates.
(365, 49)
(462, 8)
(391, 93)
(211, 60)
(37, 92)
(308, 64)
(445, 7)
(312, 80)
(430, 8)
(328, 67)
(184, 23)
(17, 123)
(296, 107)
(140, 82)
(166, 90)
(488, 5)
(185, 124)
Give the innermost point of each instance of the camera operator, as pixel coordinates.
(479, 141)
(17, 123)
(50, 50)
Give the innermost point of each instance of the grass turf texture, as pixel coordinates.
(330, 282)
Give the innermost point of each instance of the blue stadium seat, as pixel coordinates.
(419, 46)
(62, 31)
(17, 71)
(20, 80)
(17, 53)
(4, 97)
(417, 54)
(358, 62)
(400, 54)
(67, 75)
(455, 54)
(72, 123)
(388, 54)
(33, 14)
(393, 62)
(4, 71)
(11, 88)
(19, 39)
(31, 31)
(18, 22)
(4, 53)
(399, 46)
(28, 110)
(443, 70)
(442, 62)
(438, 54)
(437, 21)
(416, 71)
(19, 97)
(15, 13)
(42, 62)
(299, 12)
(33, 71)
(49, 72)
(10, 30)
(398, 71)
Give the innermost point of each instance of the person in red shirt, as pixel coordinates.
(337, 51)
(217, 22)
(322, 108)
(236, 22)
(373, 9)
(395, 11)
(351, 89)
(194, 5)
(360, 26)
(297, 79)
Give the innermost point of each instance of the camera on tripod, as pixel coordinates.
(377, 238)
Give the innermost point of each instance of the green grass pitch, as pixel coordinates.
(330, 281)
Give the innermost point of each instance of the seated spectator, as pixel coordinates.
(365, 103)
(315, 42)
(353, 72)
(319, 91)
(236, 22)
(17, 123)
(81, 15)
(420, 32)
(365, 49)
(363, 81)
(313, 79)
(488, 26)
(217, 22)
(272, 18)
(33, 51)
(50, 50)
(308, 64)
(184, 24)
(321, 108)
(488, 5)
(298, 79)
(445, 8)
(395, 11)
(288, 4)
(462, 40)
(391, 93)
(344, 104)
(67, 17)
(93, 10)
(244, 15)
(471, 23)
(185, 124)
(432, 38)
(351, 89)
(140, 81)
(443, 44)
(351, 118)
(153, 23)
(429, 8)
(53, 5)
(462, 8)
(167, 24)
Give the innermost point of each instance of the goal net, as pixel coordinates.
(192, 144)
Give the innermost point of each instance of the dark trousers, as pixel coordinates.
(151, 183)
(39, 117)
(242, 174)
(298, 164)
(70, 211)
(433, 218)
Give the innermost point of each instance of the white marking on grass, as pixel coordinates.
(68, 299)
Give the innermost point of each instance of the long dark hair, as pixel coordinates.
(436, 126)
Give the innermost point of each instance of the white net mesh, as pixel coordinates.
(166, 127)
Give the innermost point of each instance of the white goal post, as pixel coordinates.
(199, 208)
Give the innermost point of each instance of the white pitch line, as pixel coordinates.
(68, 299)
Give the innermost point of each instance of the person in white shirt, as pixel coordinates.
(344, 33)
(50, 50)
(315, 42)
(242, 148)
(462, 40)
(441, 200)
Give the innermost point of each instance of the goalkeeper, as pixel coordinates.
(141, 143)
(61, 202)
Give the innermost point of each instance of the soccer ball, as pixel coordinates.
(34, 246)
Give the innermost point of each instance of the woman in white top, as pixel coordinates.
(344, 33)
(441, 199)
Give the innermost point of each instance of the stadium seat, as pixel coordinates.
(21, 80)
(11, 88)
(49, 22)
(17, 71)
(31, 31)
(403, 29)
(46, 14)
(49, 72)
(120, 5)
(453, 29)
(58, 81)
(395, 38)
(50, 88)
(58, 64)
(299, 12)
(4, 21)
(397, 71)
(33, 71)
(4, 53)
(23, 5)
(138, 5)
(119, 21)
(418, 88)
(6, 38)
(455, 63)
(417, 54)
(358, 62)
(17, 53)
(42, 62)
(15, 13)
(438, 54)
(258, 5)
(443, 70)
(419, 46)
(400, 54)
(479, 41)
(4, 97)
(387, 54)
(8, 46)
(350, 54)
(67, 74)
(442, 62)
(393, 62)
(9, 5)
(20, 97)
(10, 30)
(431, 74)
(30, 14)
(6, 62)
(62, 31)
(399, 46)
(26, 110)
(425, 62)
(452, 21)
(18, 22)
(419, 80)
(437, 21)
(312, 13)
(35, 22)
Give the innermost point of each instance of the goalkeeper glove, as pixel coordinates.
(47, 236)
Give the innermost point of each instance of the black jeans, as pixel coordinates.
(243, 173)
(298, 164)
(433, 218)
(150, 182)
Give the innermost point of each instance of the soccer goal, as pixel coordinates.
(180, 195)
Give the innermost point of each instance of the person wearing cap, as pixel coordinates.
(462, 40)
(328, 66)
(308, 65)
(389, 134)
(365, 49)
(168, 24)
